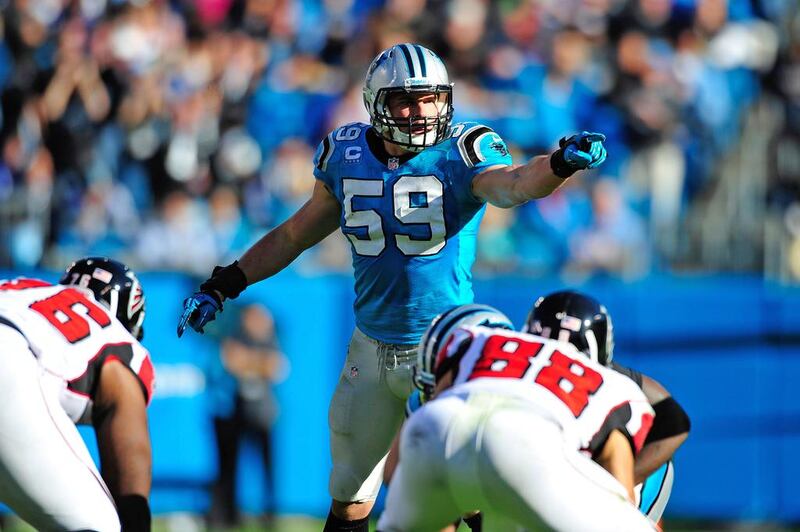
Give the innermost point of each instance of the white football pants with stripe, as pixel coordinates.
(47, 475)
(510, 463)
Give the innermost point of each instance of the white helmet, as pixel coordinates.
(408, 68)
(441, 328)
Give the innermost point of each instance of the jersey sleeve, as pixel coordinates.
(632, 418)
(134, 357)
(479, 148)
(475, 148)
(639, 424)
(322, 158)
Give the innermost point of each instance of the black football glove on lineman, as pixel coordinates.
(134, 513)
(202, 307)
(578, 152)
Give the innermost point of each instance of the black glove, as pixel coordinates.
(578, 152)
(134, 513)
(228, 280)
(202, 306)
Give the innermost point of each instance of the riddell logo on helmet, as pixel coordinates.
(416, 82)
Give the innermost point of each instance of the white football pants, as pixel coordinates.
(47, 475)
(365, 413)
(490, 454)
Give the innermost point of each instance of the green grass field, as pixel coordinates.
(295, 523)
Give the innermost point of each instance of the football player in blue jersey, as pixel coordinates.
(408, 190)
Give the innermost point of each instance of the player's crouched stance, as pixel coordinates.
(71, 354)
(523, 427)
(585, 323)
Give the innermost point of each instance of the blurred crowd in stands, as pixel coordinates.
(172, 133)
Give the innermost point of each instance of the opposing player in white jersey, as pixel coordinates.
(577, 318)
(572, 316)
(527, 429)
(71, 354)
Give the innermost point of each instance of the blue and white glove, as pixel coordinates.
(578, 152)
(198, 310)
(202, 307)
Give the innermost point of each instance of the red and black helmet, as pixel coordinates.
(114, 285)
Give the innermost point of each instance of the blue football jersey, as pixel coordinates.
(412, 224)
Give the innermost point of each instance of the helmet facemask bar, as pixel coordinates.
(399, 130)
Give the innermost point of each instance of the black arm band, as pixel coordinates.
(670, 420)
(134, 513)
(559, 166)
(228, 280)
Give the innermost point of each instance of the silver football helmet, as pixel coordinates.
(440, 329)
(408, 68)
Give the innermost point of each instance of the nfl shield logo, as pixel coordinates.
(394, 163)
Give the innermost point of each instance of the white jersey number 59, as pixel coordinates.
(415, 200)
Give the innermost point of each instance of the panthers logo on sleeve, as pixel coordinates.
(480, 147)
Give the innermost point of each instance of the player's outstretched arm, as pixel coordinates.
(508, 186)
(120, 421)
(315, 220)
(670, 429)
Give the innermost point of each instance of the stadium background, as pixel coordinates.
(170, 135)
